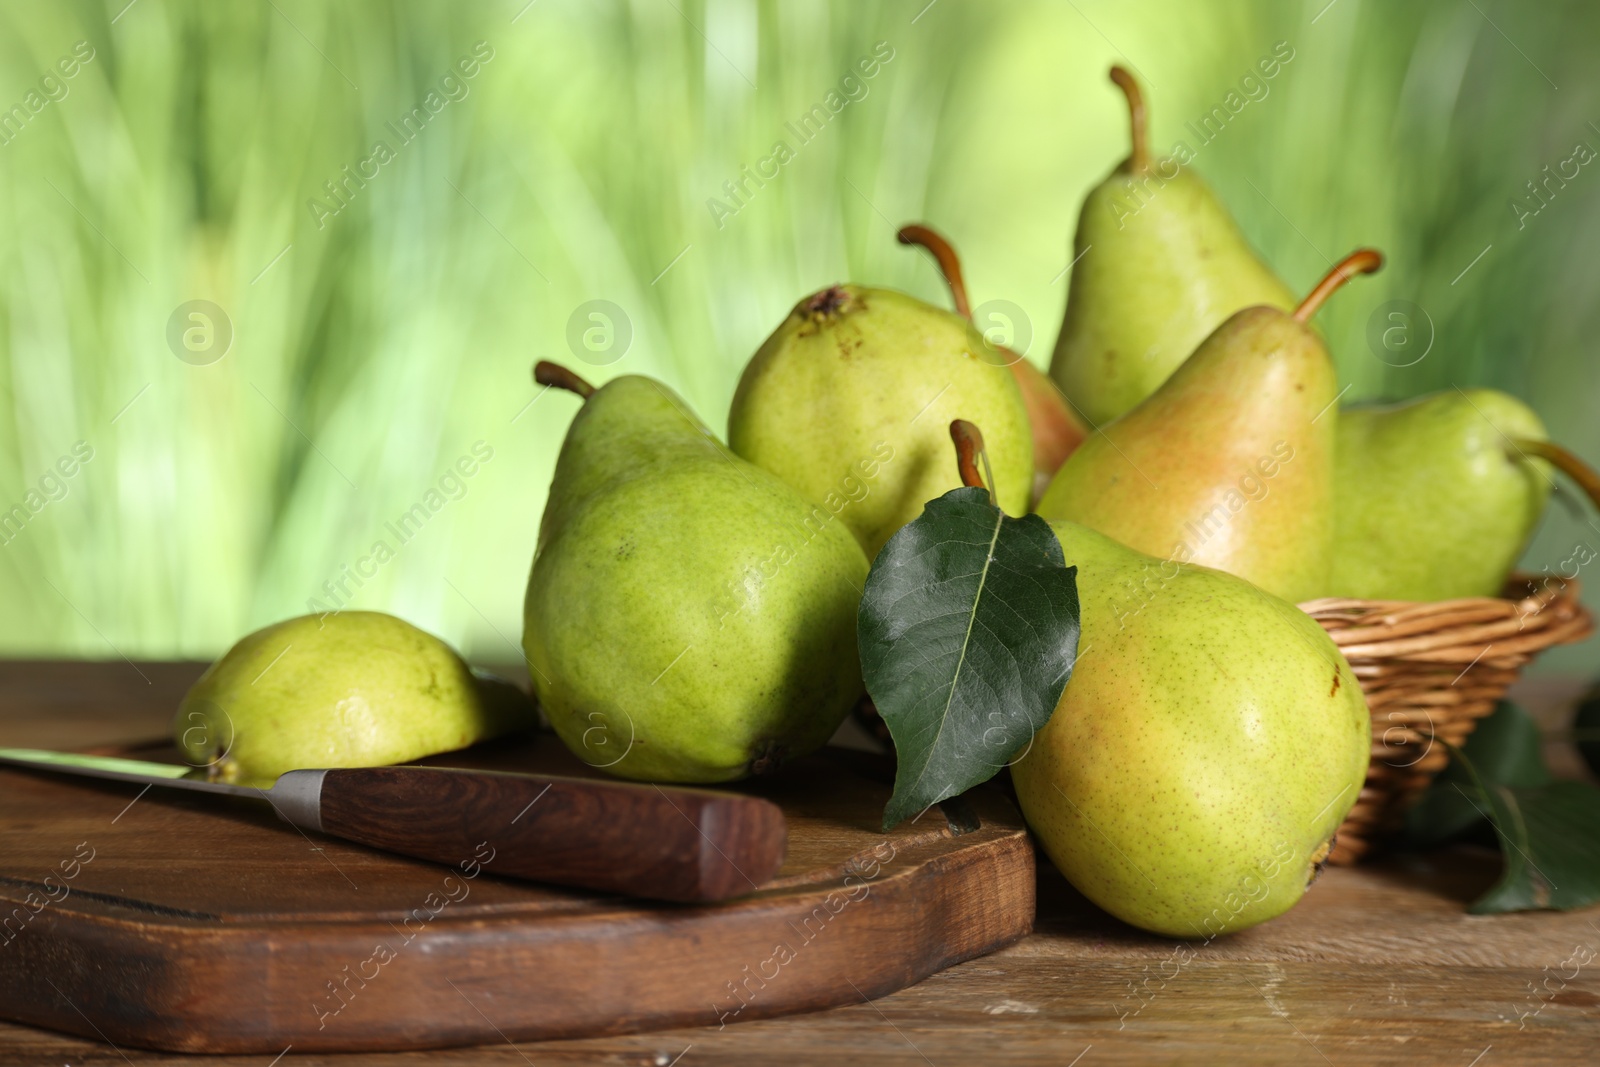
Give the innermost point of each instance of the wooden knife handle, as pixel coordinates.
(689, 845)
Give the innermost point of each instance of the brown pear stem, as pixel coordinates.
(969, 446)
(945, 256)
(1361, 261)
(1139, 155)
(547, 373)
(1565, 462)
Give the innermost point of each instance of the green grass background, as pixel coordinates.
(385, 342)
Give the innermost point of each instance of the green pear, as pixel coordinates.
(1057, 428)
(1209, 744)
(1433, 498)
(1230, 462)
(849, 399)
(689, 617)
(345, 689)
(1158, 265)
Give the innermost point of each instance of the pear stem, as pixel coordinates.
(1361, 261)
(1565, 462)
(1139, 155)
(554, 374)
(969, 451)
(945, 256)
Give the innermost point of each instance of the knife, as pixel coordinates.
(686, 845)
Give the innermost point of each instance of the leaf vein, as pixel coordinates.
(955, 680)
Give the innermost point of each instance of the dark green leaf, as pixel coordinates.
(968, 632)
(1549, 831)
(1550, 844)
(1505, 749)
(1586, 729)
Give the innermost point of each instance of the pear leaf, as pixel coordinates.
(1586, 729)
(1548, 830)
(1549, 844)
(1505, 749)
(968, 632)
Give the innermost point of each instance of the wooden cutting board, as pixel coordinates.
(192, 923)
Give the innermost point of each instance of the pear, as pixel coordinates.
(689, 617)
(1158, 265)
(847, 402)
(1209, 743)
(1208, 746)
(1435, 498)
(1230, 463)
(1057, 429)
(345, 689)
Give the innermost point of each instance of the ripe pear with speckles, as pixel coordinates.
(689, 617)
(1208, 745)
(1436, 497)
(1158, 263)
(1057, 428)
(1230, 463)
(341, 689)
(849, 398)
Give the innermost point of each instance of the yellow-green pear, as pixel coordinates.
(1206, 748)
(1209, 744)
(849, 399)
(1436, 498)
(1057, 429)
(1230, 462)
(1158, 265)
(689, 617)
(343, 689)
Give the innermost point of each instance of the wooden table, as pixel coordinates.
(1379, 964)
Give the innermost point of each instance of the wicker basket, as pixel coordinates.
(1430, 671)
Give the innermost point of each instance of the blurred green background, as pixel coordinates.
(384, 330)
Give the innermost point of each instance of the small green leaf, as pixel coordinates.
(1586, 728)
(1505, 749)
(968, 632)
(1549, 844)
(1549, 831)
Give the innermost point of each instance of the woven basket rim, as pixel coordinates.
(1538, 612)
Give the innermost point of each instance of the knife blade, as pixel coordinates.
(676, 844)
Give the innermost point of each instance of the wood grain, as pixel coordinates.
(1380, 964)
